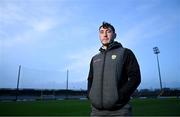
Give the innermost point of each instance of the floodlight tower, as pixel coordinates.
(17, 88)
(156, 51)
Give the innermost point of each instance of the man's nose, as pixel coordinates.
(105, 34)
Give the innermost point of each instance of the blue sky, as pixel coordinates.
(47, 37)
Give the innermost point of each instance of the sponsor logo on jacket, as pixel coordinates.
(97, 60)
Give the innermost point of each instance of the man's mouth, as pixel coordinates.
(105, 39)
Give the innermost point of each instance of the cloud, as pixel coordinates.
(80, 60)
(23, 22)
(144, 30)
(10, 13)
(17, 40)
(44, 25)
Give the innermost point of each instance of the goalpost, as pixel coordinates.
(29, 78)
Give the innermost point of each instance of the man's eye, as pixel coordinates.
(109, 31)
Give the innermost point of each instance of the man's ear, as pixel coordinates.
(114, 36)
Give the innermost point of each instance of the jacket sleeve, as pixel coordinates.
(90, 78)
(132, 71)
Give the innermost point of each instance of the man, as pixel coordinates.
(113, 76)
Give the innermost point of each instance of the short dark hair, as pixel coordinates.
(107, 25)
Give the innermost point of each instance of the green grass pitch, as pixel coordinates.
(145, 107)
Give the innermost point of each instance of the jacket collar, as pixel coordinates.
(111, 46)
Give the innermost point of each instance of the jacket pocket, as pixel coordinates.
(110, 94)
(95, 94)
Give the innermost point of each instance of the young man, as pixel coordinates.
(113, 76)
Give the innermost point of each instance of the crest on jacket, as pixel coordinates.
(113, 57)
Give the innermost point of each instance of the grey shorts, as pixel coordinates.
(124, 111)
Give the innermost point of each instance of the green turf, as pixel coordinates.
(148, 107)
(156, 107)
(63, 107)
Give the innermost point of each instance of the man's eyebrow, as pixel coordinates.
(105, 29)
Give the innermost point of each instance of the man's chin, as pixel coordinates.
(105, 44)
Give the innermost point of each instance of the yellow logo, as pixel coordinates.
(113, 56)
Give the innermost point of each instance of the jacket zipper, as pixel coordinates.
(102, 78)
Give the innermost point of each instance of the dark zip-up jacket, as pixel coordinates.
(114, 75)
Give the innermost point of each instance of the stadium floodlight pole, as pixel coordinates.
(67, 81)
(156, 51)
(17, 88)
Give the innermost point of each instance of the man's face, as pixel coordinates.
(105, 35)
